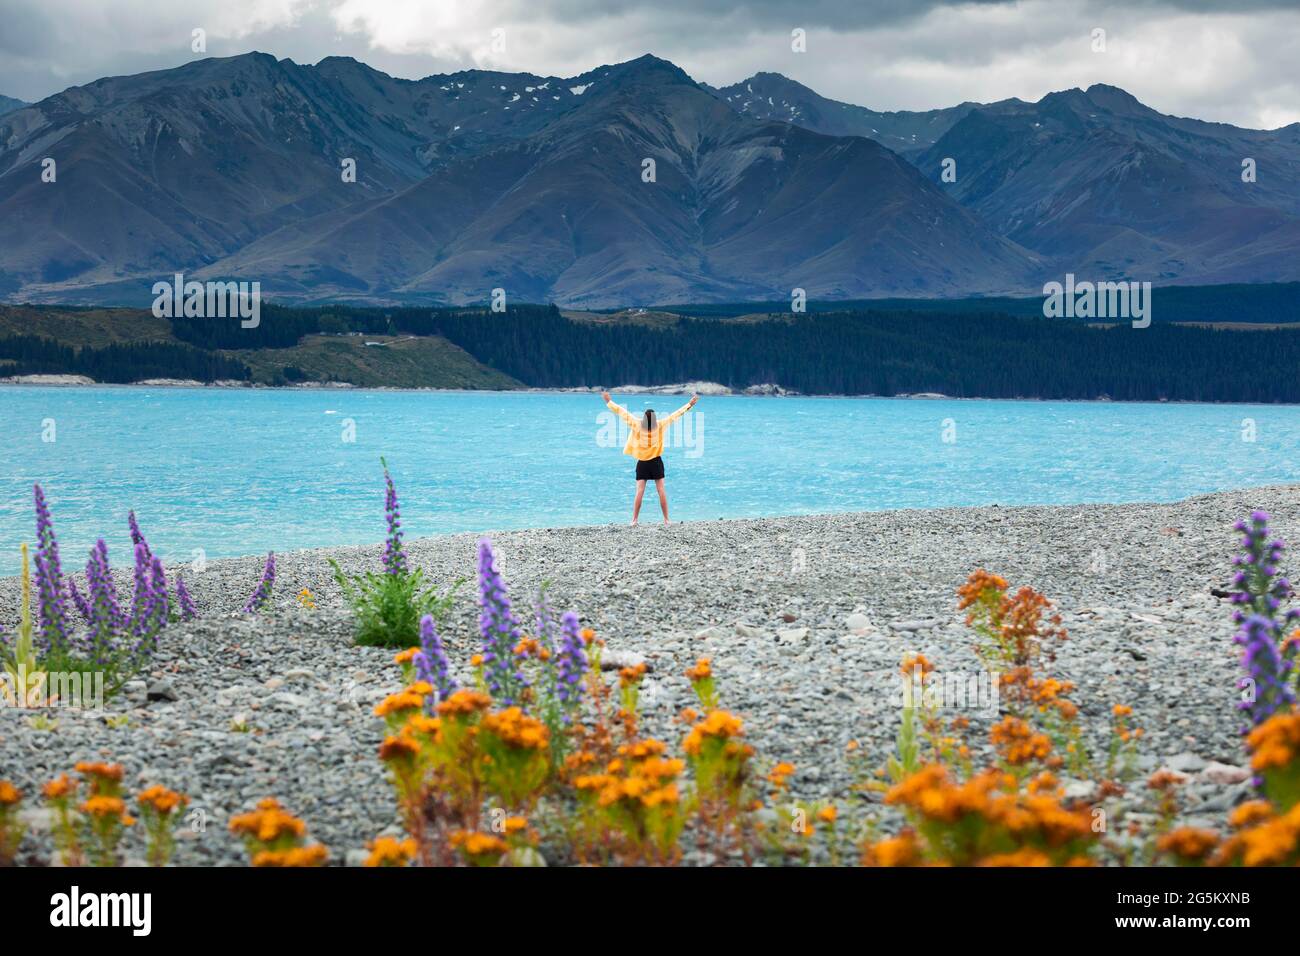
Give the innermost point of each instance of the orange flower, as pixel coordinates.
(58, 788)
(105, 807)
(719, 725)
(515, 728)
(389, 851)
(1188, 843)
(916, 666)
(302, 856)
(399, 703)
(1275, 742)
(478, 847)
(631, 675)
(463, 703)
(162, 800)
(407, 656)
(398, 748)
(9, 794)
(702, 670)
(902, 850)
(1166, 780)
(1025, 856)
(1250, 813)
(1018, 743)
(268, 823)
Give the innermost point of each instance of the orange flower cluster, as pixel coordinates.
(103, 777)
(1014, 623)
(718, 725)
(274, 837)
(702, 670)
(1049, 694)
(59, 788)
(1190, 845)
(299, 856)
(516, 729)
(983, 818)
(630, 676)
(1275, 743)
(1018, 743)
(479, 849)
(530, 647)
(463, 703)
(108, 809)
(902, 850)
(269, 823)
(161, 800)
(389, 851)
(1266, 837)
(396, 707)
(917, 666)
(11, 830)
(637, 798)
(779, 776)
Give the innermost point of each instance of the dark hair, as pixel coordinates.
(648, 421)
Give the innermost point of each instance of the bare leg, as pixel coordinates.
(636, 502)
(663, 497)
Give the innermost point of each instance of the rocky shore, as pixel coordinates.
(804, 618)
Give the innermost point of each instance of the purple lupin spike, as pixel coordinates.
(51, 611)
(571, 662)
(499, 630)
(262, 594)
(188, 611)
(394, 557)
(431, 662)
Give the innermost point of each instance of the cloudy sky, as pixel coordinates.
(1228, 60)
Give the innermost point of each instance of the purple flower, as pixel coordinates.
(51, 611)
(137, 538)
(141, 600)
(263, 592)
(545, 618)
(83, 605)
(1267, 671)
(394, 558)
(431, 661)
(571, 662)
(188, 611)
(499, 630)
(1267, 656)
(107, 622)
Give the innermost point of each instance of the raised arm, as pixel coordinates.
(619, 410)
(680, 412)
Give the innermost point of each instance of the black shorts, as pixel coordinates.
(651, 470)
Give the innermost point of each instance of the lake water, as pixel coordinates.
(235, 471)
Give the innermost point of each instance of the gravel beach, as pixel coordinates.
(801, 616)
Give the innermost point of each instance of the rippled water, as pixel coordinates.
(242, 471)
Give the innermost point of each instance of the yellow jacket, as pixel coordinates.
(641, 444)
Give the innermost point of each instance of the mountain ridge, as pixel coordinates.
(475, 180)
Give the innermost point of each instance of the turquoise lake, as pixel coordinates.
(235, 471)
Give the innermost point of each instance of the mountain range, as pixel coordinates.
(466, 182)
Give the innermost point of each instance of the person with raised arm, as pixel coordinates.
(645, 443)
